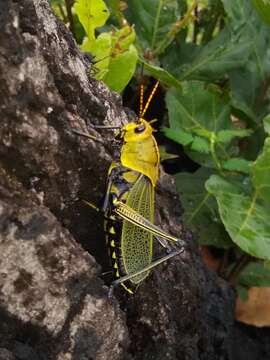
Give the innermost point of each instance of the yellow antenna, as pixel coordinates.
(141, 99)
(149, 99)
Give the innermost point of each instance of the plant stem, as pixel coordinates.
(196, 27)
(213, 152)
(224, 262)
(62, 13)
(244, 260)
(177, 26)
(69, 4)
(160, 3)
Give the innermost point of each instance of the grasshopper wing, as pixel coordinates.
(136, 241)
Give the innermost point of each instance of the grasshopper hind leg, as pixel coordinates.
(121, 280)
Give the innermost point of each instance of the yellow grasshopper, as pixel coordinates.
(128, 205)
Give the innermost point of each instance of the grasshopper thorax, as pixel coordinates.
(140, 151)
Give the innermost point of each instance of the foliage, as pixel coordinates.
(114, 54)
(213, 58)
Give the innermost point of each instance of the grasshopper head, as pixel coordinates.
(137, 131)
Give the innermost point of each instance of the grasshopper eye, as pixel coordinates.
(139, 129)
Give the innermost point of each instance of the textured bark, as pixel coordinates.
(53, 303)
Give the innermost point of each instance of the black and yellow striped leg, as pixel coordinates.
(147, 268)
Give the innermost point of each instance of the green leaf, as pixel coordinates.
(123, 38)
(153, 19)
(255, 274)
(180, 136)
(177, 57)
(237, 10)
(200, 111)
(92, 14)
(121, 69)
(115, 57)
(245, 217)
(245, 97)
(237, 164)
(162, 75)
(261, 173)
(101, 50)
(225, 136)
(203, 132)
(198, 108)
(227, 51)
(263, 9)
(201, 145)
(201, 212)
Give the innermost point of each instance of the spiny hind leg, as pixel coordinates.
(146, 268)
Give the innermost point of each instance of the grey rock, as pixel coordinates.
(53, 303)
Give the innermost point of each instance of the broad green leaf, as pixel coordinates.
(237, 164)
(200, 111)
(246, 98)
(263, 9)
(226, 136)
(251, 147)
(162, 75)
(227, 51)
(179, 136)
(200, 209)
(244, 216)
(246, 81)
(255, 274)
(240, 94)
(153, 19)
(261, 173)
(121, 69)
(197, 108)
(176, 58)
(92, 14)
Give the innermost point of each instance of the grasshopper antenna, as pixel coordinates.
(149, 99)
(92, 137)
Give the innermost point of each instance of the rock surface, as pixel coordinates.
(53, 301)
